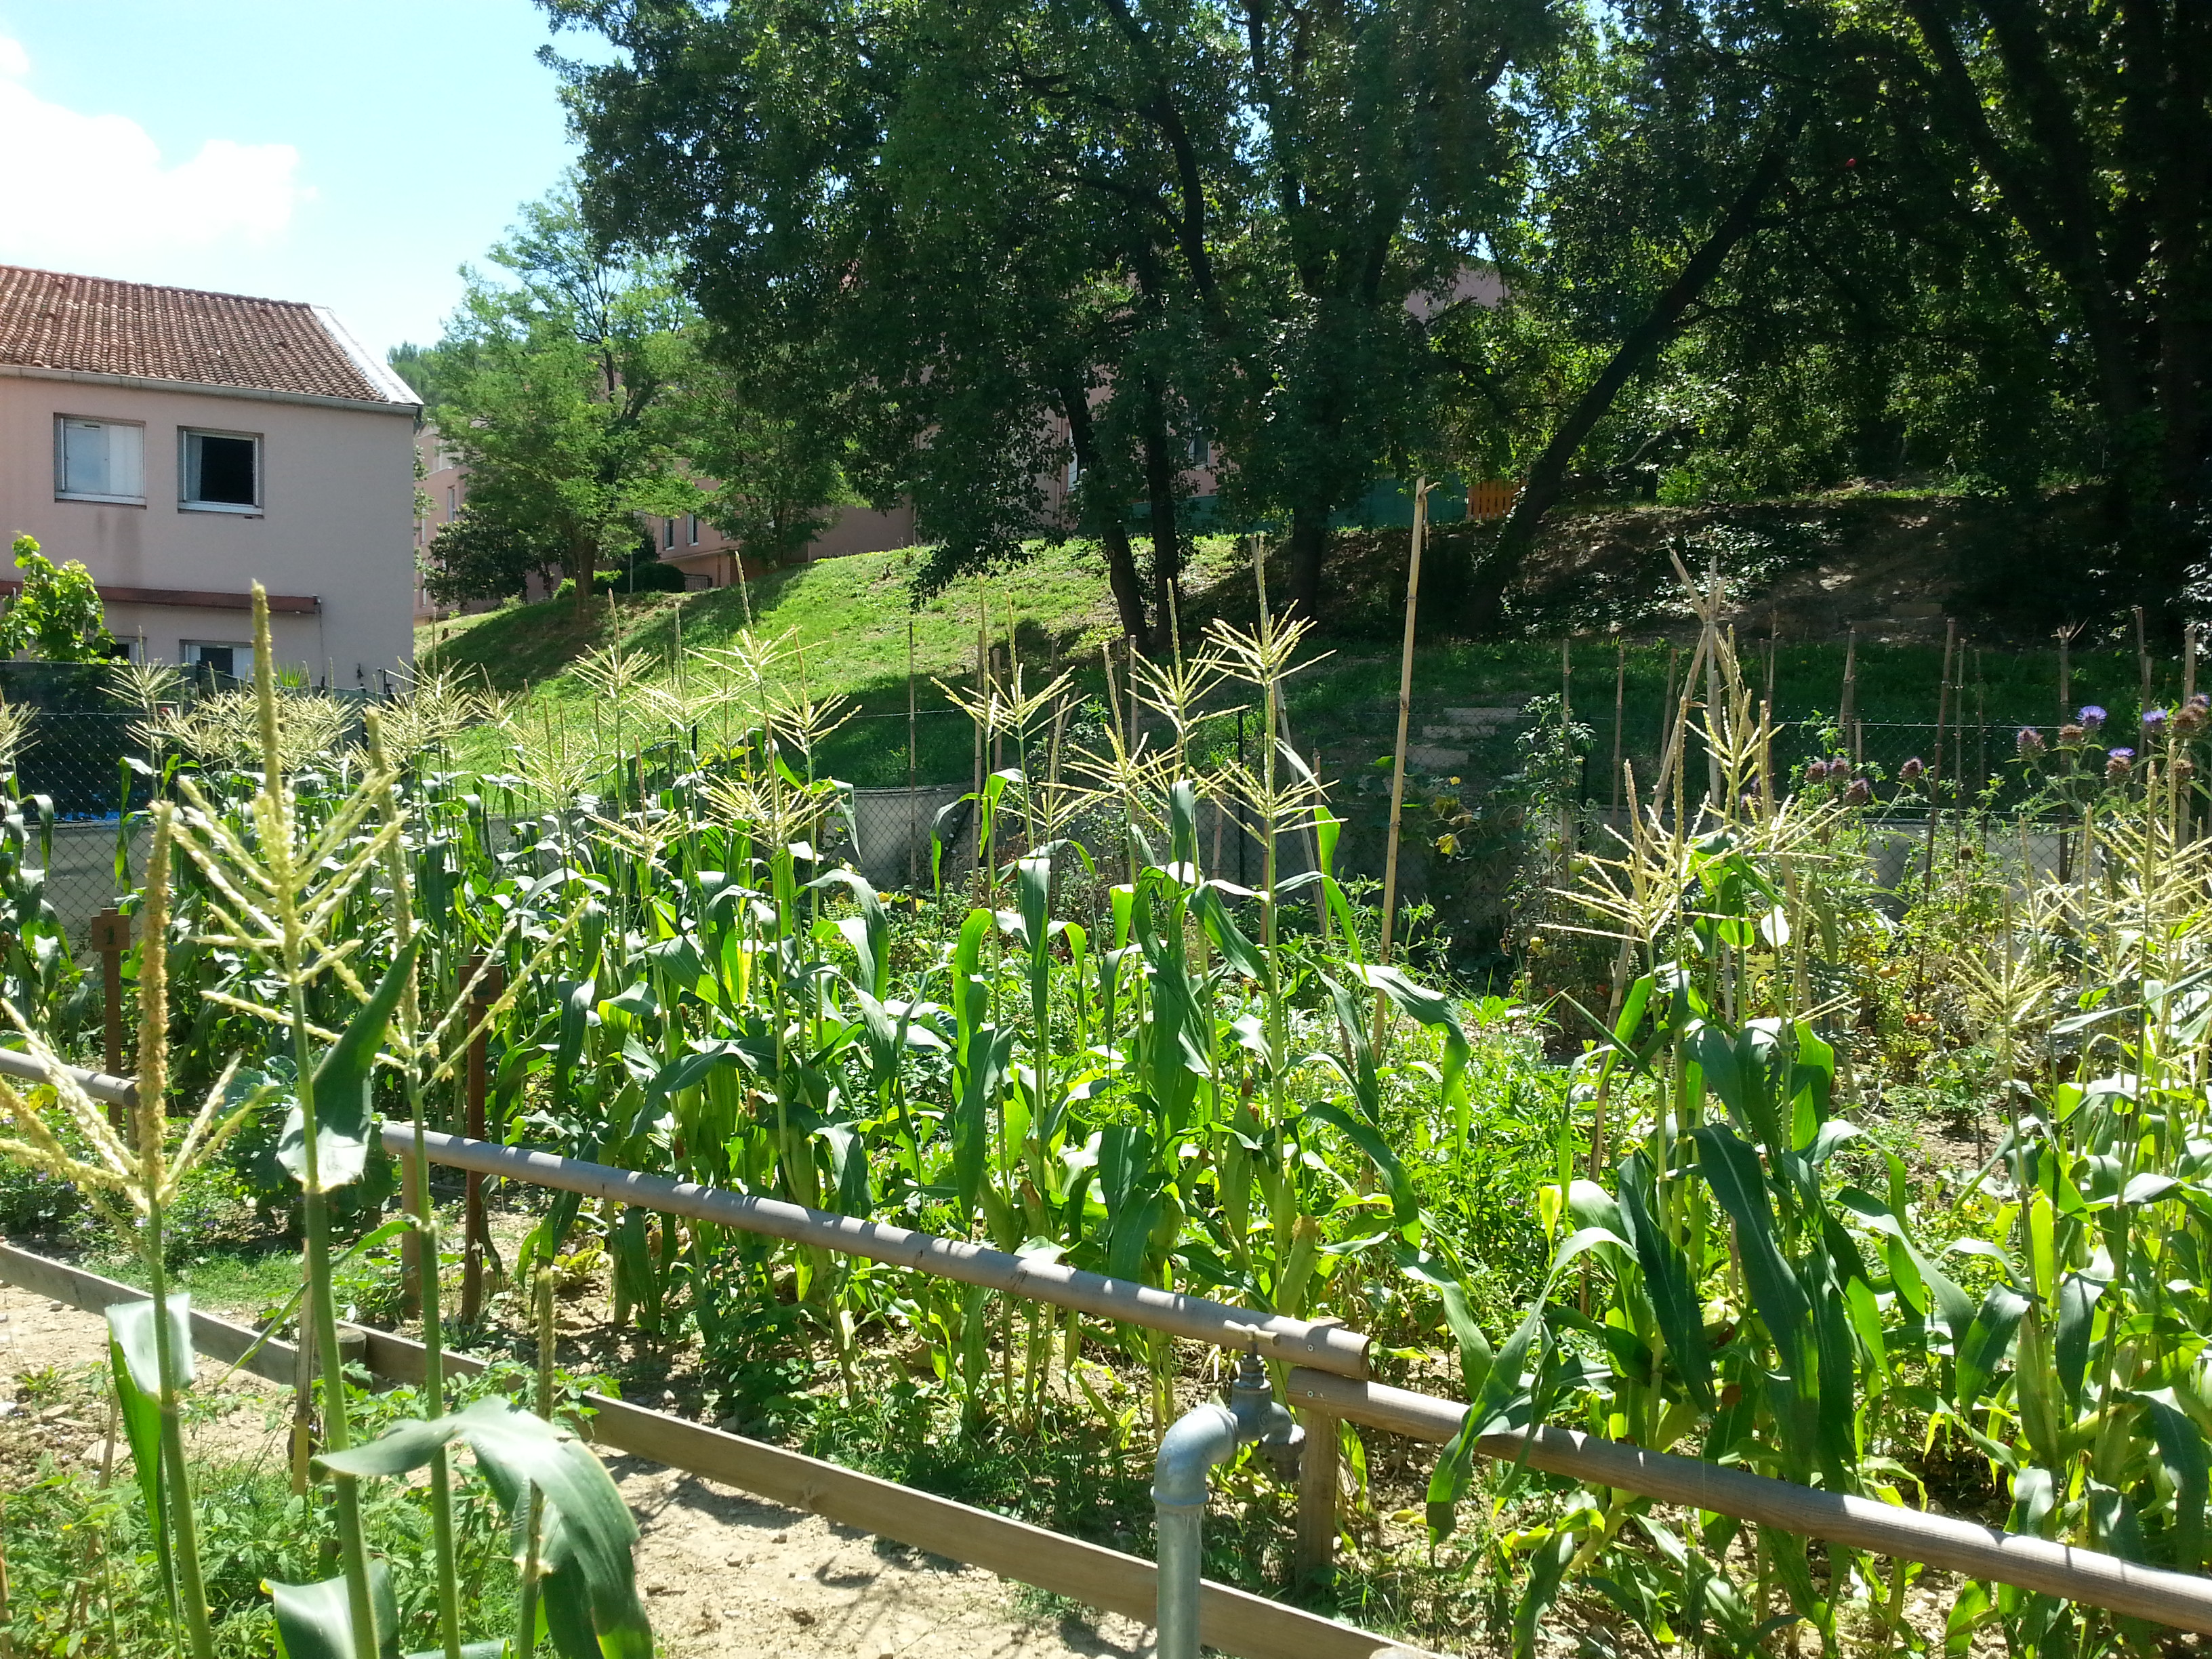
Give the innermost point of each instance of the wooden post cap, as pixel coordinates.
(111, 930)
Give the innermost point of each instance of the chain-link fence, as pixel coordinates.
(75, 765)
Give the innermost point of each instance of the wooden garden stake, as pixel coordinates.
(2189, 662)
(110, 937)
(1405, 716)
(2065, 675)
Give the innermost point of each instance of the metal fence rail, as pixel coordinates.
(1338, 1388)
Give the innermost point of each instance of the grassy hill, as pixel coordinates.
(1801, 571)
(1806, 574)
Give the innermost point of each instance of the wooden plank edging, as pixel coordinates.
(1235, 1621)
(2179, 1599)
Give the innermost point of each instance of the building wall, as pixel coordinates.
(337, 501)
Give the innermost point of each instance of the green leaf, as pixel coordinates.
(2077, 1309)
(596, 1531)
(1969, 1612)
(315, 1621)
(2181, 1449)
(1547, 1567)
(130, 1324)
(1405, 1204)
(869, 932)
(142, 1425)
(1475, 1355)
(1438, 1012)
(344, 1120)
(1667, 1280)
(406, 1446)
(1986, 1341)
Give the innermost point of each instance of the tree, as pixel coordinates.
(2080, 138)
(1161, 224)
(56, 614)
(1777, 243)
(559, 387)
(929, 218)
(1392, 150)
(477, 556)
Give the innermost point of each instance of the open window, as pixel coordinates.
(99, 461)
(222, 472)
(222, 660)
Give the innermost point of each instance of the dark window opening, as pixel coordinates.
(220, 470)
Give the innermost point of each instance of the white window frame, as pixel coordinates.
(61, 462)
(184, 648)
(693, 528)
(237, 509)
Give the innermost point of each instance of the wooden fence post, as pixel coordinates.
(413, 1285)
(1317, 1477)
(475, 1232)
(110, 937)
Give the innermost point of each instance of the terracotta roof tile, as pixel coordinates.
(93, 325)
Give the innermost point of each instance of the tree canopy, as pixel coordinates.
(1021, 262)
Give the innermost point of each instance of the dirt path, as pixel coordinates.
(725, 1576)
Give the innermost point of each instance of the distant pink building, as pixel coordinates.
(184, 445)
(707, 557)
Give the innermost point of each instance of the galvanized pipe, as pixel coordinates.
(1323, 1344)
(115, 1090)
(1195, 1443)
(2180, 1599)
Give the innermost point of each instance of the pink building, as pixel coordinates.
(707, 557)
(184, 445)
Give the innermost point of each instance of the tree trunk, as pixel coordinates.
(1110, 522)
(1167, 548)
(1540, 493)
(582, 564)
(1309, 546)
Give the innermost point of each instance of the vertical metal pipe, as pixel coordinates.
(1180, 1554)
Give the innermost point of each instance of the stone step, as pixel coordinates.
(1480, 717)
(1429, 757)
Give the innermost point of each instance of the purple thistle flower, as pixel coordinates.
(2091, 716)
(2071, 735)
(2154, 721)
(2117, 763)
(2199, 700)
(1859, 795)
(1910, 771)
(2125, 756)
(2029, 743)
(1816, 772)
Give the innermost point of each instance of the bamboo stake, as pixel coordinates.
(2142, 663)
(1843, 715)
(1936, 766)
(1620, 689)
(1398, 758)
(912, 857)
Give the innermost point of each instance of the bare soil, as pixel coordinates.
(726, 1575)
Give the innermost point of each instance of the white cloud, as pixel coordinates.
(85, 192)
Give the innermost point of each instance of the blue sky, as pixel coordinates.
(353, 153)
